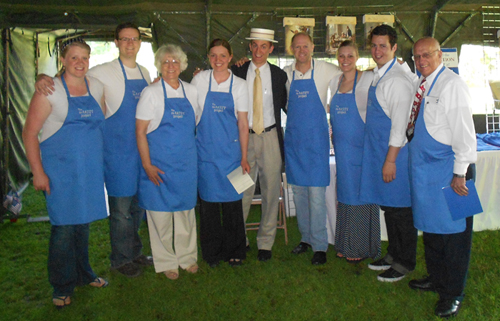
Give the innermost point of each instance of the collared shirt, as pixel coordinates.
(151, 106)
(239, 90)
(448, 116)
(267, 94)
(323, 74)
(395, 96)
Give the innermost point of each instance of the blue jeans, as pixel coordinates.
(310, 206)
(68, 264)
(125, 217)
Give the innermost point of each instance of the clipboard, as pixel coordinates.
(463, 206)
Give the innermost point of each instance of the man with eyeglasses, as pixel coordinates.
(123, 81)
(384, 178)
(442, 145)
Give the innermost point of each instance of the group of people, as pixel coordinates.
(161, 146)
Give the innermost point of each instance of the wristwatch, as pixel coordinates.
(458, 175)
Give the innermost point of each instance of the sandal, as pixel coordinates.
(339, 255)
(235, 262)
(355, 261)
(172, 274)
(99, 283)
(61, 301)
(192, 268)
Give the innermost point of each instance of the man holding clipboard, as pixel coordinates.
(442, 146)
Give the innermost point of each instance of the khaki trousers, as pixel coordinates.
(173, 239)
(264, 158)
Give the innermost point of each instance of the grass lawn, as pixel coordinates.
(286, 288)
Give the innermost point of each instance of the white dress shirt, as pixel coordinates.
(267, 94)
(395, 96)
(448, 116)
(323, 74)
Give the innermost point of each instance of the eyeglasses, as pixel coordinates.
(173, 61)
(426, 55)
(134, 39)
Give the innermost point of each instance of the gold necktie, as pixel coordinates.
(258, 116)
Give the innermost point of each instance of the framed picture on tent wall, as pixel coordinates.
(339, 29)
(294, 26)
(373, 20)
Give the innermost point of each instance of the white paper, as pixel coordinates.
(241, 182)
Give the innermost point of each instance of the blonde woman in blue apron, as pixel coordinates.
(222, 141)
(166, 122)
(357, 232)
(68, 166)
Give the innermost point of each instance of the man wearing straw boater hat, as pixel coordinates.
(268, 96)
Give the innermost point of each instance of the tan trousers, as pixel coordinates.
(173, 239)
(264, 158)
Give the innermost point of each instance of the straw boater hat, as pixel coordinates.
(261, 34)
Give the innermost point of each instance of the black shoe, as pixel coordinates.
(213, 264)
(130, 269)
(301, 248)
(447, 308)
(319, 258)
(379, 265)
(390, 275)
(248, 248)
(424, 284)
(264, 255)
(144, 260)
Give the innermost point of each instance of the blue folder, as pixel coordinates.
(463, 206)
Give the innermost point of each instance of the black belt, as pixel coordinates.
(267, 129)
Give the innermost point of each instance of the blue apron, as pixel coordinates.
(72, 158)
(348, 131)
(431, 169)
(307, 142)
(172, 149)
(218, 145)
(121, 156)
(377, 131)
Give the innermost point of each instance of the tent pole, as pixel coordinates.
(208, 13)
(5, 113)
(458, 28)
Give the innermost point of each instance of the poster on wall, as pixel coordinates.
(339, 29)
(294, 26)
(373, 20)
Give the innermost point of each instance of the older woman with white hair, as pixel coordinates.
(165, 128)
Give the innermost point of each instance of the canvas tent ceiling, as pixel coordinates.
(31, 28)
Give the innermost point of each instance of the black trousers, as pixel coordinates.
(222, 238)
(447, 257)
(402, 235)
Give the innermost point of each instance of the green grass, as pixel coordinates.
(286, 288)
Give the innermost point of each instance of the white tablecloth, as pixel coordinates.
(487, 185)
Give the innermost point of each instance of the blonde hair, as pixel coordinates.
(78, 42)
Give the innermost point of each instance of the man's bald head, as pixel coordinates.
(427, 55)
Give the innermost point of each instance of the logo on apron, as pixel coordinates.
(302, 94)
(177, 114)
(341, 110)
(84, 113)
(218, 109)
